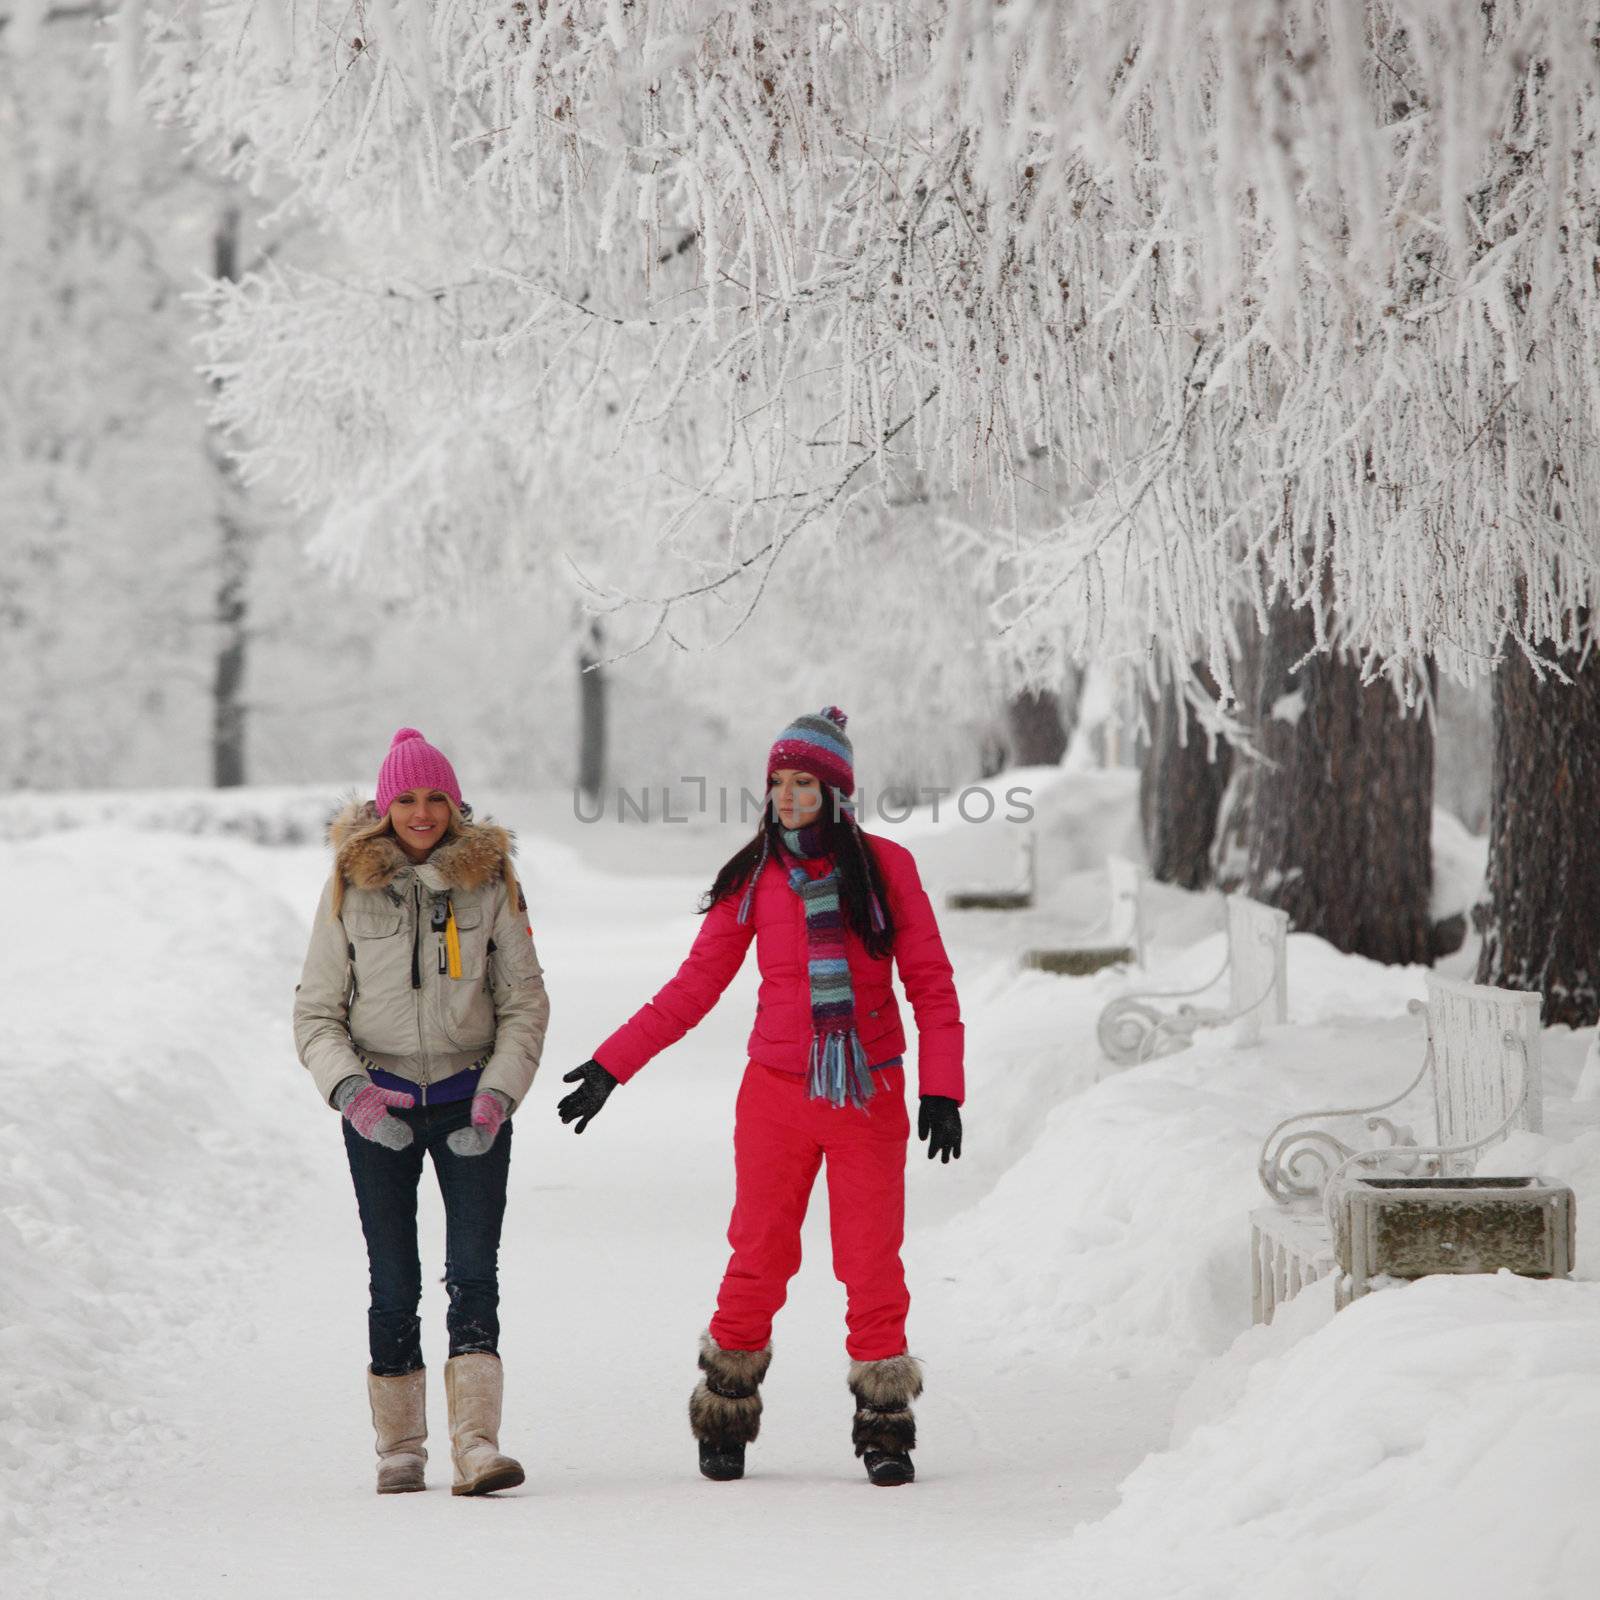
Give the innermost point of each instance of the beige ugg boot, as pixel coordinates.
(400, 1420)
(473, 1385)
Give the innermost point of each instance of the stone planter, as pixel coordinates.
(1410, 1227)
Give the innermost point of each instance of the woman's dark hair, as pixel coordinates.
(853, 859)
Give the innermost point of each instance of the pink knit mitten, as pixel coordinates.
(489, 1108)
(366, 1108)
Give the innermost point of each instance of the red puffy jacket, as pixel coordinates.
(782, 1035)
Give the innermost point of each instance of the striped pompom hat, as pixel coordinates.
(817, 744)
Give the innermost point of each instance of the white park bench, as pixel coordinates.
(1019, 899)
(1134, 1027)
(1482, 1064)
(1119, 936)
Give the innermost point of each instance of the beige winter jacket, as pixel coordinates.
(376, 992)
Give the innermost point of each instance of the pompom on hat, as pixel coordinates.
(413, 763)
(817, 744)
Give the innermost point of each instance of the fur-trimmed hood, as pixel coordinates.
(475, 858)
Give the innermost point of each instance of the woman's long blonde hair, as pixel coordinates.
(453, 829)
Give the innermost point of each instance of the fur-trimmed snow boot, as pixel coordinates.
(725, 1408)
(473, 1385)
(885, 1432)
(400, 1421)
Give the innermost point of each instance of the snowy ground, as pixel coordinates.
(182, 1335)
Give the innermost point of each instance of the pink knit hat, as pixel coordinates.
(413, 763)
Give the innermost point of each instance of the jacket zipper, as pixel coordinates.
(416, 975)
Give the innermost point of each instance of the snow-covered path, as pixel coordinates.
(251, 1471)
(182, 1337)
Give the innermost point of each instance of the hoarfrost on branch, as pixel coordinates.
(1164, 309)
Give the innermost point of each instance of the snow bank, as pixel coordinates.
(1440, 1439)
(1433, 1439)
(125, 1144)
(1122, 1230)
(1115, 1224)
(274, 816)
(1117, 1221)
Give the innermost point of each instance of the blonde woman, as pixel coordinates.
(421, 1015)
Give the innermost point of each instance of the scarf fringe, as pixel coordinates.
(838, 1071)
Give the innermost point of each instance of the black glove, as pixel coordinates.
(595, 1083)
(939, 1122)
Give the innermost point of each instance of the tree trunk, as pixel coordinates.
(1230, 850)
(1180, 793)
(228, 709)
(1340, 813)
(591, 715)
(1039, 723)
(227, 692)
(1544, 850)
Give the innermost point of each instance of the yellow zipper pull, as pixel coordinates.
(452, 943)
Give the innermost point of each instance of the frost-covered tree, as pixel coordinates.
(1296, 300)
(103, 547)
(1203, 256)
(1382, 220)
(901, 646)
(128, 546)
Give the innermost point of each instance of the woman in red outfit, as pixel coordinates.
(830, 909)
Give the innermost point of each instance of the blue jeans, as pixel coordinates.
(474, 1192)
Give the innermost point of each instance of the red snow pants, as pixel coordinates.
(780, 1138)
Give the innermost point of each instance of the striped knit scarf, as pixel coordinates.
(838, 1070)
